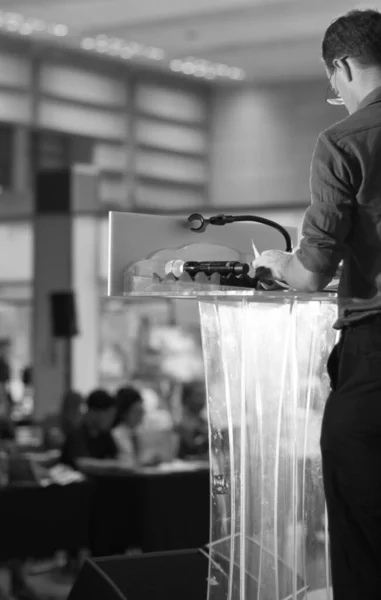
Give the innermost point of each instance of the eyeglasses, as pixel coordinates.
(338, 101)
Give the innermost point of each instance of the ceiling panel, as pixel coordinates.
(86, 14)
(226, 30)
(267, 38)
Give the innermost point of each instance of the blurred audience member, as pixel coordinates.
(7, 429)
(158, 441)
(26, 405)
(20, 589)
(5, 376)
(193, 428)
(91, 442)
(71, 412)
(27, 376)
(129, 415)
(56, 427)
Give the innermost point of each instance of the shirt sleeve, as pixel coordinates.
(123, 442)
(328, 220)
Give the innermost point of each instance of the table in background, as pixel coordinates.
(155, 509)
(37, 521)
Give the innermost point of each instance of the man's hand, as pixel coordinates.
(276, 261)
(286, 267)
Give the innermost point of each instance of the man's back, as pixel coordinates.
(348, 161)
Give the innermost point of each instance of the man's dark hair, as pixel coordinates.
(100, 400)
(357, 34)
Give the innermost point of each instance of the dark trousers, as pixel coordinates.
(351, 453)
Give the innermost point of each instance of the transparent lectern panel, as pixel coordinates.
(266, 378)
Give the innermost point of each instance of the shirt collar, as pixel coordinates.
(374, 96)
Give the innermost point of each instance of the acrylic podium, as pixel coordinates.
(265, 356)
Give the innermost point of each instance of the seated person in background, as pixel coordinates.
(71, 412)
(19, 586)
(90, 444)
(157, 439)
(193, 428)
(129, 415)
(56, 427)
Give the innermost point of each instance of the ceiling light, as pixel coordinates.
(38, 25)
(188, 68)
(101, 43)
(201, 70)
(199, 67)
(135, 48)
(154, 53)
(18, 24)
(236, 73)
(88, 44)
(26, 29)
(121, 48)
(13, 21)
(222, 70)
(60, 30)
(114, 46)
(126, 52)
(176, 65)
(210, 73)
(11, 26)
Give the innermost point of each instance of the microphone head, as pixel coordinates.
(197, 222)
(174, 267)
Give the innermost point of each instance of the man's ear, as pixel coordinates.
(344, 66)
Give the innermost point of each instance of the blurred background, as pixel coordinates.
(163, 107)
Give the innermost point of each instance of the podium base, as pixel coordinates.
(156, 576)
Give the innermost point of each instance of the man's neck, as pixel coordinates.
(369, 83)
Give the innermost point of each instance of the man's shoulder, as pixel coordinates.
(353, 126)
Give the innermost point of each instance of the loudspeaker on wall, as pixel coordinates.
(63, 314)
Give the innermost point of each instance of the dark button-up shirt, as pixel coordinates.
(343, 222)
(82, 443)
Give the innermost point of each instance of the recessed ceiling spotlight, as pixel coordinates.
(88, 44)
(114, 46)
(125, 52)
(38, 25)
(199, 67)
(18, 24)
(236, 73)
(210, 73)
(135, 48)
(176, 65)
(223, 70)
(13, 22)
(121, 48)
(101, 43)
(188, 68)
(26, 29)
(60, 30)
(154, 53)
(200, 70)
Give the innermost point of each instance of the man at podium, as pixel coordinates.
(343, 224)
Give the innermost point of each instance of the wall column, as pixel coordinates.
(65, 259)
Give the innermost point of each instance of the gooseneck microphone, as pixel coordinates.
(199, 223)
(231, 267)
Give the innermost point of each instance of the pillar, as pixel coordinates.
(65, 259)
